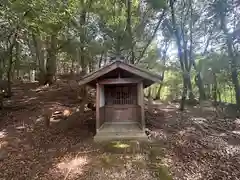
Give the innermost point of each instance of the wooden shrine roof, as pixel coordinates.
(147, 76)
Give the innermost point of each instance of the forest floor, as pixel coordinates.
(194, 145)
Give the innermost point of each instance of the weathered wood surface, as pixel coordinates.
(101, 116)
(97, 107)
(115, 127)
(142, 73)
(121, 113)
(141, 98)
(120, 81)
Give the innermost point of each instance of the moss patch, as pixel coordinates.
(123, 147)
(163, 173)
(156, 154)
(110, 160)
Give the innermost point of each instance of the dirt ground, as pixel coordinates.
(194, 145)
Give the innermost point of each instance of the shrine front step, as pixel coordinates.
(110, 136)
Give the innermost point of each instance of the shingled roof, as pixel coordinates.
(147, 76)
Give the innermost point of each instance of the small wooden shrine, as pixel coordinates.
(120, 100)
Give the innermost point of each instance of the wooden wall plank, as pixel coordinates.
(97, 107)
(141, 98)
(120, 81)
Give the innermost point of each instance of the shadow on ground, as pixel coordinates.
(189, 145)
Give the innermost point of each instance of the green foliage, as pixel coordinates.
(157, 4)
(89, 33)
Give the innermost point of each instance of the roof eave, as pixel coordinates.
(149, 76)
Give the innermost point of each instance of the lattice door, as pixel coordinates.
(121, 94)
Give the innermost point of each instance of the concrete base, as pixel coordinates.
(109, 132)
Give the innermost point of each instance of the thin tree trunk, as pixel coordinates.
(219, 95)
(184, 93)
(129, 30)
(199, 82)
(233, 59)
(158, 93)
(215, 88)
(149, 96)
(189, 83)
(10, 65)
(152, 37)
(83, 90)
(1, 65)
(198, 78)
(180, 55)
(100, 60)
(51, 65)
(17, 63)
(39, 55)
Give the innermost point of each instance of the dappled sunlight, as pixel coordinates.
(22, 127)
(158, 134)
(236, 132)
(3, 144)
(199, 120)
(167, 161)
(139, 157)
(157, 102)
(183, 144)
(3, 133)
(123, 147)
(119, 144)
(40, 119)
(237, 123)
(73, 166)
(168, 109)
(186, 131)
(40, 88)
(232, 150)
(29, 99)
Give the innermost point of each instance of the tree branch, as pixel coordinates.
(152, 37)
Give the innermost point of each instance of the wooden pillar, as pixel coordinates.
(97, 107)
(141, 98)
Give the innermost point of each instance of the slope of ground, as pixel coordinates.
(190, 145)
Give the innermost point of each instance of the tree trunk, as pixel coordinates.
(158, 94)
(10, 63)
(129, 30)
(9, 71)
(51, 65)
(189, 84)
(149, 96)
(17, 63)
(184, 93)
(100, 60)
(236, 85)
(219, 95)
(199, 83)
(233, 59)
(82, 60)
(39, 52)
(215, 88)
(1, 68)
(180, 54)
